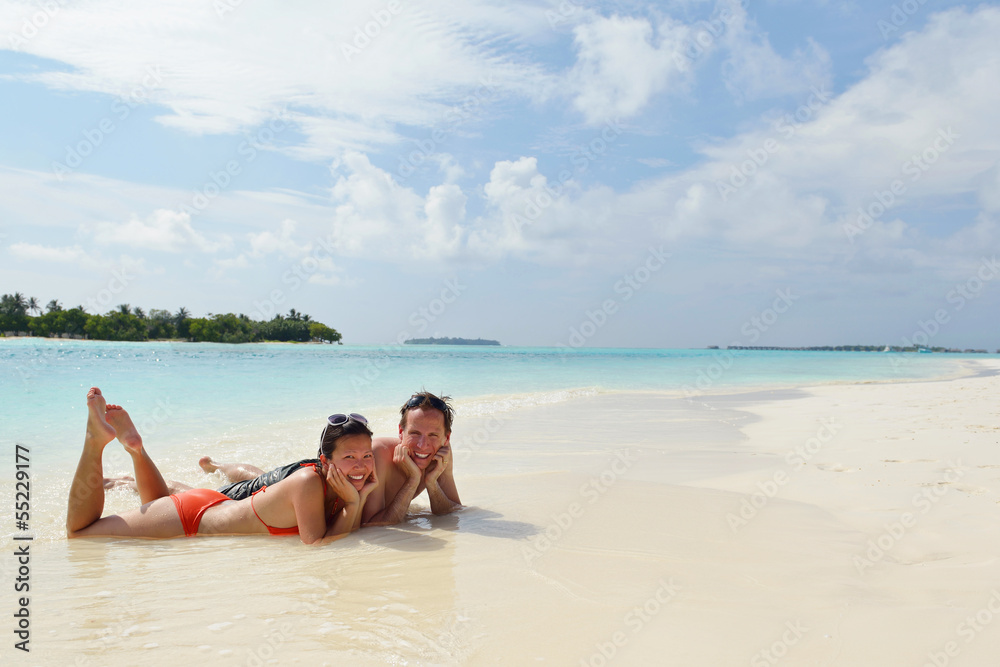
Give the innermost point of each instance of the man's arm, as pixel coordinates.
(441, 488)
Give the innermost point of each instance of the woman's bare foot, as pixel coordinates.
(99, 431)
(128, 435)
(207, 464)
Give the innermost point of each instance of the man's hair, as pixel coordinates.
(332, 434)
(426, 400)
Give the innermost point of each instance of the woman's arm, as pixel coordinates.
(307, 499)
(347, 518)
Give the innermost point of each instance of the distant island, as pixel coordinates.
(450, 341)
(135, 324)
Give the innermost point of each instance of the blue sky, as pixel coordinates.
(673, 174)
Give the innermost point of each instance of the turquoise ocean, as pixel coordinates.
(431, 590)
(188, 396)
(267, 403)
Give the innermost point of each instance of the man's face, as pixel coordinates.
(423, 435)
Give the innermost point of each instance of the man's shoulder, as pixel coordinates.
(384, 443)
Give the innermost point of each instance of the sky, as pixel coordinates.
(600, 174)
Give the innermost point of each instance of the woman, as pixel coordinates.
(299, 504)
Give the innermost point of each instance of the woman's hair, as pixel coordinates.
(331, 434)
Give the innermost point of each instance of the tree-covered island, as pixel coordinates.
(134, 324)
(450, 341)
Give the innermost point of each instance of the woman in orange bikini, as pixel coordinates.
(318, 503)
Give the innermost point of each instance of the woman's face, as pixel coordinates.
(352, 456)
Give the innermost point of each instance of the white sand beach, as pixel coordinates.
(833, 525)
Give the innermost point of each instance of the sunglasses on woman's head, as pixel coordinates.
(340, 419)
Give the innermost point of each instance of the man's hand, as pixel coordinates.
(401, 457)
(440, 465)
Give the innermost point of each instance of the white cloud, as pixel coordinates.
(267, 242)
(345, 90)
(622, 64)
(310, 261)
(754, 70)
(31, 252)
(828, 162)
(163, 229)
(77, 256)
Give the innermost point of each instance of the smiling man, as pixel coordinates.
(420, 458)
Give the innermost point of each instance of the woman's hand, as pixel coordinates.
(341, 485)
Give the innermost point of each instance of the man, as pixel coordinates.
(419, 459)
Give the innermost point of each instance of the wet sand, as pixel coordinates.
(832, 525)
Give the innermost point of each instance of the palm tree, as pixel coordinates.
(293, 315)
(33, 306)
(53, 306)
(124, 308)
(182, 314)
(306, 318)
(138, 312)
(19, 303)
